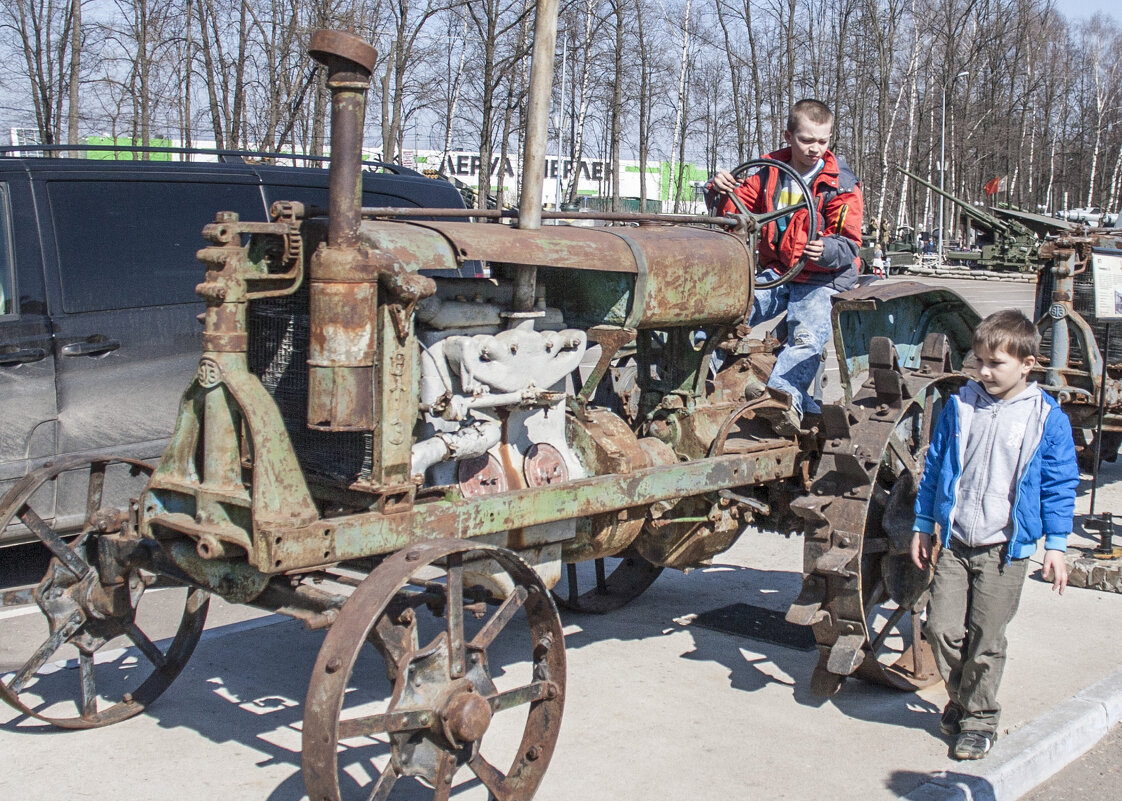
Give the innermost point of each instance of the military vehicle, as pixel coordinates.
(1002, 245)
(900, 251)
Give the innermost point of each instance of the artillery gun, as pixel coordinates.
(1003, 245)
(414, 461)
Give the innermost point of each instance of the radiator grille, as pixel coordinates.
(278, 354)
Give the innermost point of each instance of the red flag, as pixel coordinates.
(992, 187)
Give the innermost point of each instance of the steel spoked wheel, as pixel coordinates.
(894, 591)
(421, 686)
(103, 657)
(861, 594)
(604, 585)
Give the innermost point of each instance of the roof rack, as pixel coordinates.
(224, 155)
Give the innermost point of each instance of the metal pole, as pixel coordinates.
(561, 125)
(1099, 427)
(943, 157)
(537, 138)
(942, 168)
(1103, 525)
(537, 123)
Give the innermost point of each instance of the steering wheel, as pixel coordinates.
(756, 222)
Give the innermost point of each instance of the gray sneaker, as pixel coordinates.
(785, 422)
(754, 387)
(973, 744)
(952, 717)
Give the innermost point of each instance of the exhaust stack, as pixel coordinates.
(343, 301)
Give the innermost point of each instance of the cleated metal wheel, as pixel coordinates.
(102, 658)
(862, 596)
(426, 685)
(604, 585)
(894, 591)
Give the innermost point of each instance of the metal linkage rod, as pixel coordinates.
(606, 216)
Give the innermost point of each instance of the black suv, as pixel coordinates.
(98, 329)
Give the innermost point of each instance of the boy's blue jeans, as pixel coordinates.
(808, 332)
(973, 597)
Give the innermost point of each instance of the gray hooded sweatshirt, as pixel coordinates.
(996, 441)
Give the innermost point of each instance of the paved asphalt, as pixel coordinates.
(1096, 776)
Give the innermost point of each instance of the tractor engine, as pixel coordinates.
(453, 391)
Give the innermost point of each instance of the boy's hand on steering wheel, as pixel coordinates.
(725, 181)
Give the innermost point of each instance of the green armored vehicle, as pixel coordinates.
(1005, 245)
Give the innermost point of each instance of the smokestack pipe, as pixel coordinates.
(342, 296)
(349, 62)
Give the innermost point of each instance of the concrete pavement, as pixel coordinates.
(657, 708)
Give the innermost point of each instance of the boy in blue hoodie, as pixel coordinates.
(1000, 474)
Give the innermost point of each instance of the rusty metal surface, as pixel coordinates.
(861, 595)
(554, 245)
(444, 697)
(905, 312)
(481, 475)
(544, 465)
(668, 478)
(608, 446)
(90, 594)
(349, 62)
(283, 544)
(682, 273)
(342, 311)
(1075, 344)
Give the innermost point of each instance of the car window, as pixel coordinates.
(127, 244)
(7, 271)
(318, 196)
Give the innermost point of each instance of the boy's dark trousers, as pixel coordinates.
(973, 597)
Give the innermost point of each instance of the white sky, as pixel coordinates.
(1081, 9)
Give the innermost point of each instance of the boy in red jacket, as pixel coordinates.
(832, 261)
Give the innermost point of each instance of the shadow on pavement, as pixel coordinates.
(975, 788)
(752, 664)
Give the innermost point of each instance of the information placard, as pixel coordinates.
(1108, 284)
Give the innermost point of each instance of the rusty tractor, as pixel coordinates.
(425, 466)
(1081, 364)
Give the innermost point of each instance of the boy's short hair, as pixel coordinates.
(811, 110)
(1008, 330)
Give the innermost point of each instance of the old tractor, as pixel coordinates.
(425, 464)
(1082, 354)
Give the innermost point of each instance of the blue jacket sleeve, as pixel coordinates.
(1059, 479)
(941, 439)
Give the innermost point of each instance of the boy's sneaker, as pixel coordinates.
(973, 744)
(952, 717)
(785, 422)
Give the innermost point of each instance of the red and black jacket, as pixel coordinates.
(840, 207)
